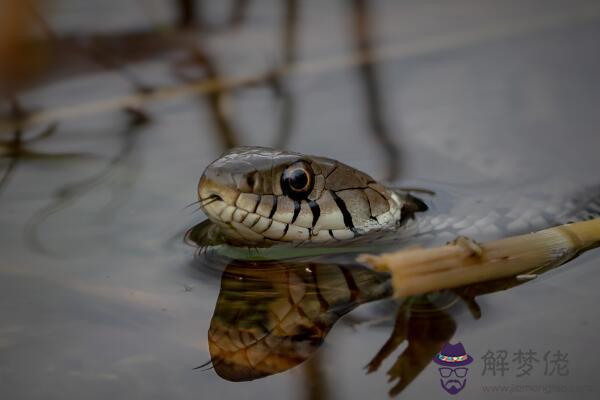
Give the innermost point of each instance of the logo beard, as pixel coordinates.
(453, 386)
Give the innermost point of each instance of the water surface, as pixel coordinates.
(101, 298)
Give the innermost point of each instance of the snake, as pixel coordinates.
(272, 315)
(260, 198)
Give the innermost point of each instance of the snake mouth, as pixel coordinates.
(210, 199)
(232, 210)
(249, 218)
(264, 220)
(212, 192)
(218, 208)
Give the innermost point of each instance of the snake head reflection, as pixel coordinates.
(271, 318)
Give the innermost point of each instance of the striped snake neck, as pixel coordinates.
(259, 197)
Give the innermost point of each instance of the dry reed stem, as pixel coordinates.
(463, 261)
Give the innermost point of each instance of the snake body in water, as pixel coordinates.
(259, 197)
(272, 315)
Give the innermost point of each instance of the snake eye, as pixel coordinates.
(297, 180)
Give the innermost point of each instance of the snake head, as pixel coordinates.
(260, 196)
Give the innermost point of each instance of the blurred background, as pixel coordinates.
(110, 111)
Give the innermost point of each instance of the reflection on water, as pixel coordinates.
(271, 317)
(72, 192)
(95, 305)
(426, 327)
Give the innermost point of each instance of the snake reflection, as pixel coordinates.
(271, 317)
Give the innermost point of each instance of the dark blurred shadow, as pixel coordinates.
(18, 147)
(426, 327)
(200, 66)
(238, 12)
(281, 88)
(367, 68)
(187, 11)
(315, 377)
(190, 14)
(70, 193)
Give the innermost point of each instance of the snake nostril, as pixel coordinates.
(209, 198)
(215, 196)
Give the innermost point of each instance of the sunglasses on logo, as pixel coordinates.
(447, 372)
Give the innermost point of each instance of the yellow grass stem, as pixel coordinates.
(463, 261)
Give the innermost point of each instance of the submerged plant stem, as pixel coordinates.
(464, 262)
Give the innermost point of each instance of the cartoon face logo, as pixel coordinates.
(453, 373)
